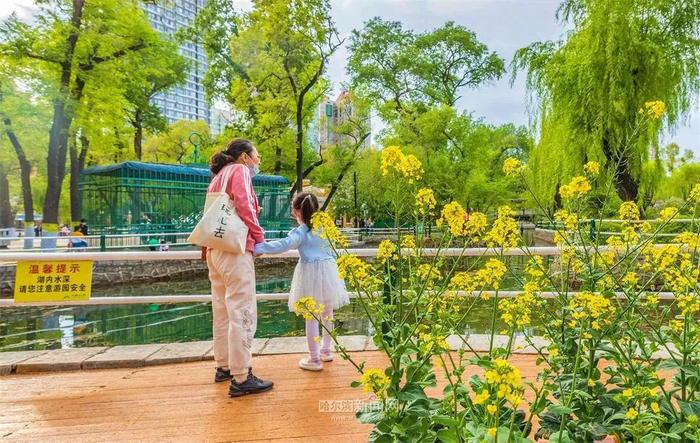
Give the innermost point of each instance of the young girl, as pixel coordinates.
(316, 275)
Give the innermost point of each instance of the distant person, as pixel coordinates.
(145, 219)
(232, 276)
(83, 227)
(64, 231)
(164, 247)
(38, 229)
(76, 242)
(153, 243)
(316, 275)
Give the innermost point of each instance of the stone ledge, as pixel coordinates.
(127, 356)
(132, 356)
(179, 353)
(9, 360)
(70, 359)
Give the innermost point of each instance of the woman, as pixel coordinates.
(232, 276)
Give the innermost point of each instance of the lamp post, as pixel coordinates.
(354, 179)
(196, 140)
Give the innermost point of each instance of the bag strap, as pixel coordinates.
(227, 175)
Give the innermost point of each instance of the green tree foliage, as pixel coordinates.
(64, 44)
(283, 48)
(160, 68)
(415, 80)
(619, 55)
(350, 133)
(214, 27)
(401, 70)
(25, 123)
(175, 144)
(681, 181)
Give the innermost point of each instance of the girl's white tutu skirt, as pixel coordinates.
(320, 280)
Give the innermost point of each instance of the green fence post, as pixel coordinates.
(592, 230)
(103, 242)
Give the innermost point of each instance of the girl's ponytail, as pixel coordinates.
(307, 205)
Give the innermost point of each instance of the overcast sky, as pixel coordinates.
(503, 25)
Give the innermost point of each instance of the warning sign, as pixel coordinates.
(53, 281)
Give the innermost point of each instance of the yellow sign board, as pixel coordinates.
(53, 280)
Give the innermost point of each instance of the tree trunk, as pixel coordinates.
(62, 118)
(626, 185)
(278, 161)
(299, 185)
(137, 122)
(305, 173)
(25, 171)
(77, 164)
(336, 184)
(5, 208)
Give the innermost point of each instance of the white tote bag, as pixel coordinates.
(220, 227)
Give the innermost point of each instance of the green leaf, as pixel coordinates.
(447, 435)
(559, 410)
(560, 437)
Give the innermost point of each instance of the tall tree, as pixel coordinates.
(175, 144)
(65, 43)
(405, 72)
(292, 41)
(350, 132)
(161, 68)
(25, 119)
(619, 55)
(6, 219)
(214, 27)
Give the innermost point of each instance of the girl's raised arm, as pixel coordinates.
(292, 241)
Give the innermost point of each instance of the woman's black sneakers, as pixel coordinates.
(252, 385)
(222, 375)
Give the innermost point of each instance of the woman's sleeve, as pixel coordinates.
(240, 189)
(292, 241)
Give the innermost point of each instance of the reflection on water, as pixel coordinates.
(26, 328)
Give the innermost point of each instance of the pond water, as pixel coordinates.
(28, 328)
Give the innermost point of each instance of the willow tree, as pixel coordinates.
(590, 87)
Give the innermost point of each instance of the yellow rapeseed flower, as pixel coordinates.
(632, 414)
(386, 251)
(456, 218)
(504, 232)
(374, 380)
(425, 201)
(407, 165)
(481, 398)
(568, 219)
(491, 409)
(694, 196)
(355, 271)
(491, 432)
(513, 166)
(307, 307)
(629, 211)
(655, 109)
(592, 168)
(668, 213)
(476, 224)
(577, 187)
(655, 408)
(324, 224)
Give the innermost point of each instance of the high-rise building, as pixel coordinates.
(333, 113)
(186, 102)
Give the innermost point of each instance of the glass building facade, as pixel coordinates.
(186, 102)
